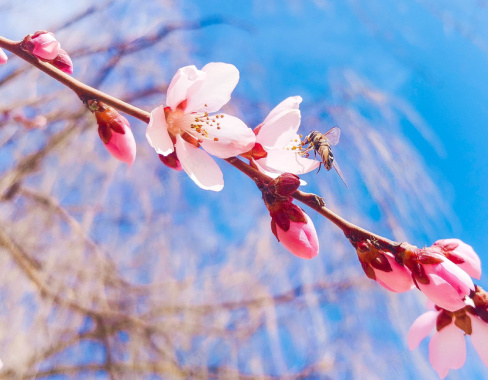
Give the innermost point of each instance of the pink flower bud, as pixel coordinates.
(63, 62)
(115, 132)
(381, 266)
(300, 238)
(461, 254)
(442, 281)
(3, 57)
(43, 45)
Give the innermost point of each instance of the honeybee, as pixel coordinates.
(321, 144)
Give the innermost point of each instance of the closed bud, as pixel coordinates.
(285, 185)
(383, 267)
(114, 130)
(63, 62)
(442, 281)
(294, 229)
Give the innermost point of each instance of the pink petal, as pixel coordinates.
(442, 293)
(157, 132)
(447, 350)
(479, 337)
(472, 264)
(291, 103)
(233, 138)
(123, 146)
(422, 326)
(45, 46)
(301, 239)
(216, 89)
(184, 84)
(197, 163)
(287, 161)
(3, 57)
(280, 130)
(398, 280)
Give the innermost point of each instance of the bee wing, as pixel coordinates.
(333, 135)
(338, 170)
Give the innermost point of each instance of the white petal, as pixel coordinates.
(233, 138)
(447, 350)
(184, 84)
(157, 132)
(293, 102)
(422, 326)
(479, 337)
(201, 168)
(280, 130)
(216, 89)
(287, 161)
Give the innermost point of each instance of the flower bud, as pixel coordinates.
(461, 254)
(285, 185)
(295, 230)
(63, 62)
(442, 281)
(3, 57)
(42, 44)
(114, 130)
(382, 267)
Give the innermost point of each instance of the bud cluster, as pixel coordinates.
(45, 47)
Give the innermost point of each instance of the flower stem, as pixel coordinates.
(85, 92)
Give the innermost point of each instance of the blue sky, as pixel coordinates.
(409, 50)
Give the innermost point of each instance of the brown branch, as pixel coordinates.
(351, 231)
(82, 90)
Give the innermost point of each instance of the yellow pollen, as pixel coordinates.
(218, 127)
(216, 139)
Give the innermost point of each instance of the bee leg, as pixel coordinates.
(320, 166)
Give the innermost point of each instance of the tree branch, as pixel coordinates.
(351, 231)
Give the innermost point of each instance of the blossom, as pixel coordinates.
(461, 254)
(382, 267)
(277, 137)
(447, 348)
(114, 130)
(185, 124)
(3, 57)
(442, 281)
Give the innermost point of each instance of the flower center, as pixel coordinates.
(194, 125)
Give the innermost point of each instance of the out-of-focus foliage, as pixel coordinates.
(116, 272)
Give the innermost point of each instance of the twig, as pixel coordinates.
(351, 231)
